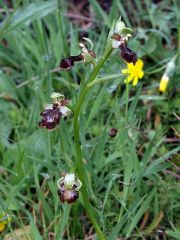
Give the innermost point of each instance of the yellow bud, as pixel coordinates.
(4, 219)
(163, 83)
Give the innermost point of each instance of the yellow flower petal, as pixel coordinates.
(134, 72)
(130, 78)
(139, 64)
(129, 65)
(141, 74)
(135, 81)
(125, 71)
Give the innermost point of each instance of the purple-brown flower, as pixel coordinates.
(52, 114)
(50, 117)
(127, 54)
(68, 62)
(113, 132)
(86, 56)
(68, 196)
(68, 188)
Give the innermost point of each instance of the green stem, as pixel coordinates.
(127, 100)
(64, 221)
(104, 79)
(79, 158)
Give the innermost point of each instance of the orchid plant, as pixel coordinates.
(70, 185)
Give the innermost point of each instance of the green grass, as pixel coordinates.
(129, 176)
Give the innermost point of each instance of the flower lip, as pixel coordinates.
(50, 117)
(127, 54)
(68, 62)
(68, 196)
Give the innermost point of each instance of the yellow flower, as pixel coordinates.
(163, 83)
(4, 219)
(134, 72)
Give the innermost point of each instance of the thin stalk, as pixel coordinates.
(104, 79)
(79, 158)
(127, 100)
(64, 221)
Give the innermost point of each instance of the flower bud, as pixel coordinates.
(163, 83)
(113, 132)
(4, 220)
(170, 67)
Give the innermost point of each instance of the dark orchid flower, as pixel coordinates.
(68, 188)
(113, 132)
(127, 54)
(50, 117)
(86, 56)
(52, 114)
(68, 62)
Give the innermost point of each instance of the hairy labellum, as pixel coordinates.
(67, 63)
(50, 117)
(113, 132)
(127, 54)
(68, 196)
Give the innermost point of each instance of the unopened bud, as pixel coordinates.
(163, 83)
(113, 132)
(170, 68)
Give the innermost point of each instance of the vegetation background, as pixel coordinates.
(133, 178)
